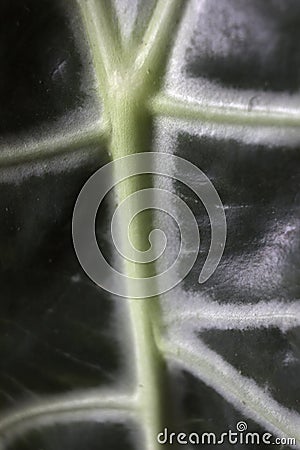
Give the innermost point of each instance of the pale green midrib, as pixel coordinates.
(125, 108)
(125, 112)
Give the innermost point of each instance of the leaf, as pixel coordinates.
(87, 82)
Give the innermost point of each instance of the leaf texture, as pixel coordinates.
(86, 82)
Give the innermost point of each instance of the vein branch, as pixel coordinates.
(242, 392)
(157, 37)
(75, 407)
(194, 111)
(104, 41)
(213, 315)
(28, 149)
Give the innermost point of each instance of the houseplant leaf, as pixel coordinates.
(87, 82)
